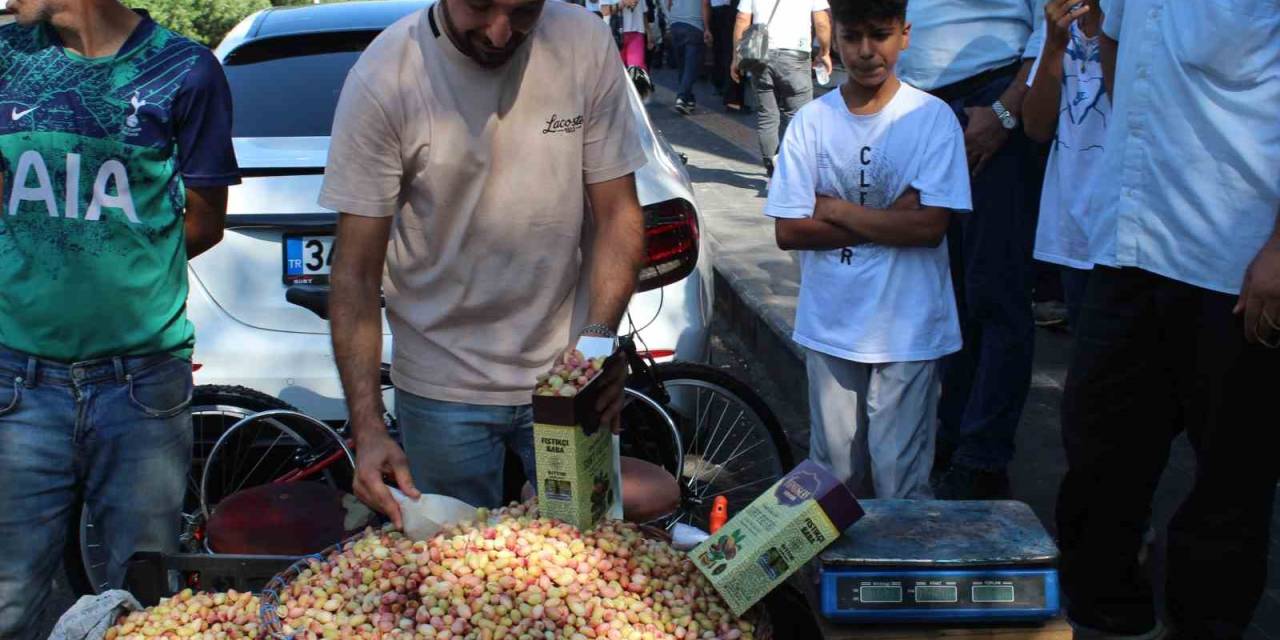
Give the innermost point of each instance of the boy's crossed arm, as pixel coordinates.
(837, 224)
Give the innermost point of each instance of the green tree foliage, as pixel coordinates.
(206, 21)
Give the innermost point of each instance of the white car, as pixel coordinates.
(286, 68)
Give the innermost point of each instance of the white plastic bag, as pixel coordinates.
(91, 616)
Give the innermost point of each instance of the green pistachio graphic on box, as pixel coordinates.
(725, 548)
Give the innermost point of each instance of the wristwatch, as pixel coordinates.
(1007, 120)
(598, 330)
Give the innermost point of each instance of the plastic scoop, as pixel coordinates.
(425, 517)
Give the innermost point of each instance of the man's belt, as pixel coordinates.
(974, 84)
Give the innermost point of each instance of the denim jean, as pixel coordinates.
(459, 449)
(1154, 358)
(687, 42)
(985, 385)
(784, 87)
(1074, 283)
(113, 433)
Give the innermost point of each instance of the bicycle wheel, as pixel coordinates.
(271, 446)
(733, 443)
(214, 409)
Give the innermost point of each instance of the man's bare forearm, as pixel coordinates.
(618, 252)
(355, 316)
(355, 319)
(740, 25)
(822, 28)
(1013, 96)
(813, 235)
(1040, 106)
(924, 227)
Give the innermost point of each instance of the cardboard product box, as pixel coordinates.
(784, 528)
(579, 471)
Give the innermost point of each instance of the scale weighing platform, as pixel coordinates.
(941, 561)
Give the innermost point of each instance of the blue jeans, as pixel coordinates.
(985, 385)
(115, 433)
(688, 45)
(459, 449)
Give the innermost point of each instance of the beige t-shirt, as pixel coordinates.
(484, 171)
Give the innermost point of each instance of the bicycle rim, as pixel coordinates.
(733, 446)
(261, 448)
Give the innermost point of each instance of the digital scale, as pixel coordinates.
(941, 561)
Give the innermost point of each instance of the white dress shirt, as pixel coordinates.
(952, 40)
(1191, 172)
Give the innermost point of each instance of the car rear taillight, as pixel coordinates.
(671, 235)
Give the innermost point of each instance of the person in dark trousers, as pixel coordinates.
(690, 22)
(115, 158)
(787, 83)
(977, 57)
(1180, 323)
(723, 14)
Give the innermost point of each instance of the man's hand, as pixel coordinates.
(983, 138)
(825, 61)
(609, 404)
(1058, 16)
(377, 455)
(733, 71)
(1260, 297)
(706, 37)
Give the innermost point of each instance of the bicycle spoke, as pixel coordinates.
(748, 484)
(259, 463)
(698, 429)
(721, 467)
(719, 422)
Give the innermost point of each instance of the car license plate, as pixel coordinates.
(307, 259)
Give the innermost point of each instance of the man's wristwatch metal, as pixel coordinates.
(598, 330)
(1007, 119)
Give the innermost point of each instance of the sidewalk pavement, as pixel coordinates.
(756, 289)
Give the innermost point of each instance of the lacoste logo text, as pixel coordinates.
(18, 115)
(562, 125)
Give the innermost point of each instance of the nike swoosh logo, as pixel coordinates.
(18, 115)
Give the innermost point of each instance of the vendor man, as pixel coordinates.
(464, 143)
(115, 156)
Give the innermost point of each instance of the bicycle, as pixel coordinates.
(680, 416)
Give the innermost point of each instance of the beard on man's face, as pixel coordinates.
(489, 56)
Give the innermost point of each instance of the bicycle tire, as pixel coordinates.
(762, 420)
(85, 573)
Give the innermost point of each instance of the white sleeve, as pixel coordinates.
(1114, 12)
(820, 5)
(1038, 30)
(364, 172)
(944, 172)
(747, 6)
(793, 189)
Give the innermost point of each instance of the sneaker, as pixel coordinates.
(684, 107)
(1049, 314)
(967, 483)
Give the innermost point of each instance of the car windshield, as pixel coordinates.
(289, 86)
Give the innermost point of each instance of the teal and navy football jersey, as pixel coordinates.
(96, 155)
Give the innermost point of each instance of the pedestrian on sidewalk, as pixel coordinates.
(480, 268)
(977, 56)
(786, 84)
(629, 17)
(1068, 105)
(876, 311)
(723, 15)
(115, 157)
(1180, 323)
(690, 35)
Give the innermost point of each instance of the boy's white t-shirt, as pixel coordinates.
(874, 303)
(633, 18)
(1075, 160)
(792, 26)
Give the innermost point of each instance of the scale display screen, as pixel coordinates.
(937, 593)
(880, 594)
(993, 593)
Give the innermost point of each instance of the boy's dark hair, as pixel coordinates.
(855, 12)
